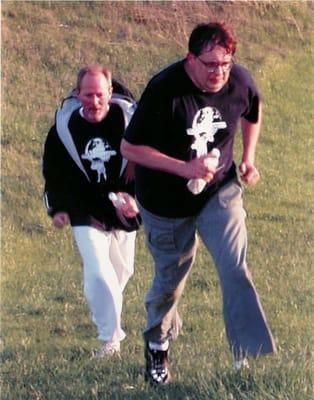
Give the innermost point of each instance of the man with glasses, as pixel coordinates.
(183, 133)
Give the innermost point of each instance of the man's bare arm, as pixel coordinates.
(154, 159)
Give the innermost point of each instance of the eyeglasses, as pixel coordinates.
(213, 67)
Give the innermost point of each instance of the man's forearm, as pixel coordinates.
(151, 158)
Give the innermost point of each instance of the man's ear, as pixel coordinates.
(190, 56)
(76, 91)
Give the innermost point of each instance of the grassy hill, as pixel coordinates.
(46, 334)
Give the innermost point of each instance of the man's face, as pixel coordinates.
(94, 94)
(211, 69)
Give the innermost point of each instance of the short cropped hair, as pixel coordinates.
(214, 33)
(93, 69)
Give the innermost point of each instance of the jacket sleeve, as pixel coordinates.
(56, 168)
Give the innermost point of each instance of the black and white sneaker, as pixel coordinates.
(157, 366)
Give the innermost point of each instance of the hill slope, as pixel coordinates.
(46, 333)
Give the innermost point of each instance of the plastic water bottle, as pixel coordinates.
(118, 201)
(196, 185)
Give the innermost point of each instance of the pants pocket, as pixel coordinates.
(230, 195)
(162, 239)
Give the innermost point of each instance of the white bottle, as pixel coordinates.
(196, 185)
(117, 200)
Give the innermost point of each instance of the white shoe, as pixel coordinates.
(241, 364)
(107, 349)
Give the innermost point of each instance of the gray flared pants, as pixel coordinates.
(173, 243)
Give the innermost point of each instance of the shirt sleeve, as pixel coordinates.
(252, 112)
(148, 124)
(253, 98)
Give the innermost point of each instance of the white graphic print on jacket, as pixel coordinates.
(98, 152)
(206, 123)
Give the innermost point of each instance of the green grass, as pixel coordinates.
(46, 333)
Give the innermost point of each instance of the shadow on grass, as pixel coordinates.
(229, 386)
(270, 385)
(74, 375)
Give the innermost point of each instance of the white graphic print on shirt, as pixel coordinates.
(98, 152)
(206, 123)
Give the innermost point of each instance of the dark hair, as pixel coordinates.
(214, 33)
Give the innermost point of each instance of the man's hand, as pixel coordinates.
(60, 219)
(198, 168)
(249, 174)
(127, 206)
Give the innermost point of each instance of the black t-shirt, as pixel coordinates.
(176, 118)
(98, 146)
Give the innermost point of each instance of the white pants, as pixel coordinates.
(108, 262)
